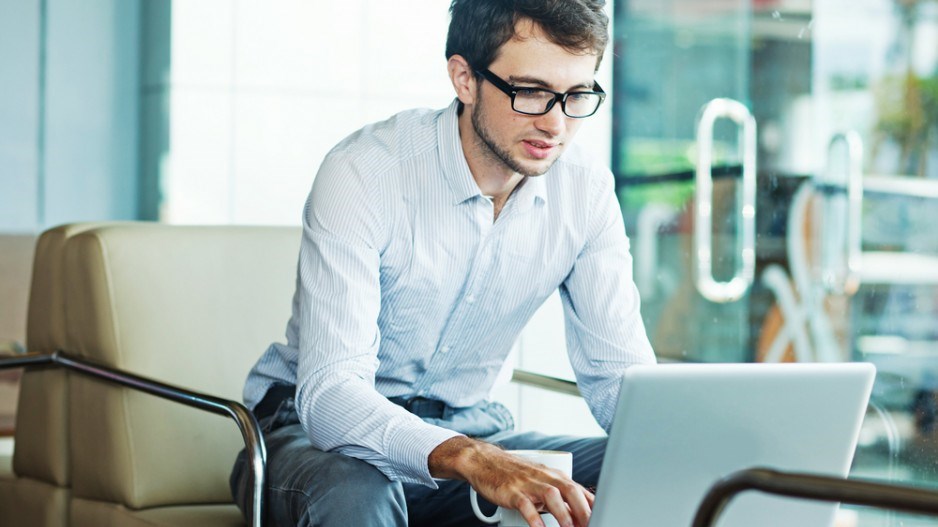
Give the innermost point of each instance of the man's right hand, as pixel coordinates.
(512, 482)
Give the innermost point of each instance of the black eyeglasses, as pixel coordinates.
(538, 101)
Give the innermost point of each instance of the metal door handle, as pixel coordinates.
(709, 287)
(834, 281)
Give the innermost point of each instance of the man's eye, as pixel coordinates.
(530, 93)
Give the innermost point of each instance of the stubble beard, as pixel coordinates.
(493, 150)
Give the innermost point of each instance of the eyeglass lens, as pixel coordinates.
(535, 101)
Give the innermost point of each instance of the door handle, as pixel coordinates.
(708, 286)
(835, 279)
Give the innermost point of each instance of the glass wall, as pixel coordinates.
(68, 112)
(844, 265)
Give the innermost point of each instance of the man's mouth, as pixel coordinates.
(538, 149)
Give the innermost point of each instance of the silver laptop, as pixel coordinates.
(680, 427)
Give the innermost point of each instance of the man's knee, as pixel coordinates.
(333, 489)
(351, 480)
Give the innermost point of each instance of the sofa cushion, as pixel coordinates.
(26, 502)
(16, 256)
(6, 466)
(87, 512)
(190, 306)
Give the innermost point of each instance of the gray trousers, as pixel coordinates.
(309, 487)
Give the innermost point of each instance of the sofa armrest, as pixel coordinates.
(250, 429)
(813, 487)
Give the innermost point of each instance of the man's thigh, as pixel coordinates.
(306, 486)
(449, 506)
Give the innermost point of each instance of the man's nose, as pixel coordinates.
(552, 122)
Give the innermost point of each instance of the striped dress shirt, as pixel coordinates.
(406, 286)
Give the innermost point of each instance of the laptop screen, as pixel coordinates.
(680, 427)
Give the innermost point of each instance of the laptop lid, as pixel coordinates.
(679, 428)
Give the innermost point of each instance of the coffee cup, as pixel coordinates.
(562, 461)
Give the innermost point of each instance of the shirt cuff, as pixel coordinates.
(410, 449)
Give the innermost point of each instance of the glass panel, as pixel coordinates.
(837, 278)
(877, 74)
(672, 58)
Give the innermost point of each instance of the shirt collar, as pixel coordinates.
(532, 192)
(456, 168)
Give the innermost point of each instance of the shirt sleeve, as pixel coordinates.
(604, 328)
(337, 331)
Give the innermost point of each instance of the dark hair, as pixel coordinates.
(479, 27)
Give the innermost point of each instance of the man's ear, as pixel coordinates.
(463, 79)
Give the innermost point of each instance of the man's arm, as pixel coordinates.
(512, 482)
(337, 335)
(604, 328)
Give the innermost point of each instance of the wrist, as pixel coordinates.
(452, 458)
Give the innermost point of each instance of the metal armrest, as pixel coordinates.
(553, 384)
(817, 488)
(250, 430)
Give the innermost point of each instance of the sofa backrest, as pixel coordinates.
(16, 256)
(189, 306)
(41, 450)
(39, 495)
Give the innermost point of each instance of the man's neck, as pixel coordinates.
(499, 202)
(494, 179)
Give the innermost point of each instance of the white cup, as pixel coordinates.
(562, 461)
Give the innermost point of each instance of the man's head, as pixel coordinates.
(506, 55)
(478, 28)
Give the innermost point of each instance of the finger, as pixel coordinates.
(529, 513)
(580, 505)
(590, 497)
(554, 500)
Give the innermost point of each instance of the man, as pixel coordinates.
(429, 240)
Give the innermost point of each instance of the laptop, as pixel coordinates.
(679, 428)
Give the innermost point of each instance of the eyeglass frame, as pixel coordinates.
(512, 91)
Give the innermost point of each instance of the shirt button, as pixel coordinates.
(444, 349)
(470, 299)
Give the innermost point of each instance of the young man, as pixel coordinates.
(429, 240)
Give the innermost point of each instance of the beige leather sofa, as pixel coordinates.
(16, 257)
(38, 493)
(190, 306)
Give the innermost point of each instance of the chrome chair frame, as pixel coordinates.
(247, 423)
(902, 498)
(546, 382)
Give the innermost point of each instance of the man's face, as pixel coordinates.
(529, 144)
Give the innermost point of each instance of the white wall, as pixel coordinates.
(242, 99)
